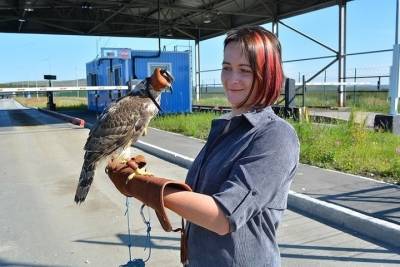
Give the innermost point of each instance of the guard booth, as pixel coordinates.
(117, 66)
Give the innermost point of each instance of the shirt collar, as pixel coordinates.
(254, 116)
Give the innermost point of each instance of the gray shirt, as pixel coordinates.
(247, 166)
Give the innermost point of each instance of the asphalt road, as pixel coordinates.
(40, 225)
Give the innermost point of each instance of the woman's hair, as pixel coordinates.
(263, 51)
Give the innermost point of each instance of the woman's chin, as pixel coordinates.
(234, 102)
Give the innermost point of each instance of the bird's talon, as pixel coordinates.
(131, 176)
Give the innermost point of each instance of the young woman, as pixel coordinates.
(241, 177)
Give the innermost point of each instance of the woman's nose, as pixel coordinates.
(235, 77)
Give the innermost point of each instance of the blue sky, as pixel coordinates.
(370, 26)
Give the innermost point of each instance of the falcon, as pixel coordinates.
(120, 125)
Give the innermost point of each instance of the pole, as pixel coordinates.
(197, 67)
(304, 89)
(342, 53)
(354, 87)
(275, 29)
(394, 71)
(326, 98)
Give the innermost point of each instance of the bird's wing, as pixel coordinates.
(121, 123)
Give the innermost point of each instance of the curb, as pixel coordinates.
(376, 229)
(373, 228)
(176, 158)
(73, 120)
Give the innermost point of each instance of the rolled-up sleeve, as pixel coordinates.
(261, 176)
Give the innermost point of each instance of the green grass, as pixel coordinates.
(371, 101)
(350, 148)
(346, 147)
(194, 124)
(62, 102)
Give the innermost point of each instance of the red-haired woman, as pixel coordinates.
(241, 177)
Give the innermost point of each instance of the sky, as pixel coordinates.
(370, 26)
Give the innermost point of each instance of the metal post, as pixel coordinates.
(342, 53)
(50, 102)
(391, 122)
(325, 96)
(354, 86)
(395, 69)
(197, 68)
(304, 88)
(379, 83)
(275, 29)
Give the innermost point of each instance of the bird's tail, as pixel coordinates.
(85, 181)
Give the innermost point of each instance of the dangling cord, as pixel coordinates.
(147, 223)
(129, 228)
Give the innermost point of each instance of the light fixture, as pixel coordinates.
(86, 5)
(207, 19)
(169, 33)
(28, 9)
(21, 20)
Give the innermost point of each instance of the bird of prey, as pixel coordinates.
(120, 125)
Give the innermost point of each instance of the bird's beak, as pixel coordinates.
(168, 76)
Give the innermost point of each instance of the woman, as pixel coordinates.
(241, 177)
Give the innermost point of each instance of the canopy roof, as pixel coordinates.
(179, 19)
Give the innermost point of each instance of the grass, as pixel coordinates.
(62, 103)
(347, 147)
(212, 100)
(350, 148)
(194, 124)
(360, 101)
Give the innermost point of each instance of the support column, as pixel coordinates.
(275, 28)
(50, 103)
(395, 69)
(342, 53)
(391, 122)
(197, 67)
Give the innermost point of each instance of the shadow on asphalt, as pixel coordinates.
(23, 117)
(25, 264)
(385, 194)
(137, 241)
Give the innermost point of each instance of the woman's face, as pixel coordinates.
(236, 75)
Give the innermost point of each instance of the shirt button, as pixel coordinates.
(253, 193)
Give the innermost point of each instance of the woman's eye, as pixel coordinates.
(246, 70)
(225, 68)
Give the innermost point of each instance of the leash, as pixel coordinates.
(137, 262)
(149, 95)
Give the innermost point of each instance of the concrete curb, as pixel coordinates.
(73, 120)
(373, 228)
(176, 158)
(376, 229)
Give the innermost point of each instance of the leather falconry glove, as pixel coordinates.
(146, 188)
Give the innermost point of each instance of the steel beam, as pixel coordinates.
(275, 28)
(395, 69)
(342, 53)
(197, 66)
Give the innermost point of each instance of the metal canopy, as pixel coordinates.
(179, 19)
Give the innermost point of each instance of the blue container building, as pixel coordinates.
(117, 66)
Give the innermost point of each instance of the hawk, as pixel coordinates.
(120, 125)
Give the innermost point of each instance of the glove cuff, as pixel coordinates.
(154, 197)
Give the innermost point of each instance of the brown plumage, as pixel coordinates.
(120, 125)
